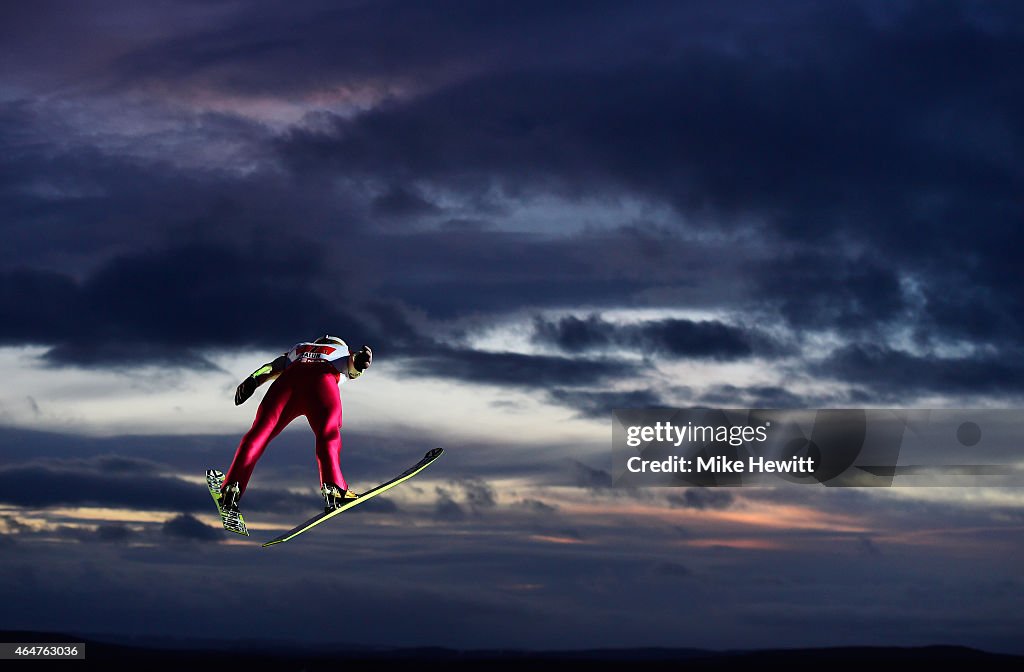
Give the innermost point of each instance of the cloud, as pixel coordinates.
(508, 368)
(123, 464)
(697, 129)
(671, 337)
(468, 496)
(155, 307)
(827, 289)
(600, 404)
(586, 476)
(131, 484)
(395, 42)
(745, 138)
(186, 526)
(701, 499)
(479, 494)
(12, 525)
(889, 371)
(671, 569)
(446, 508)
(112, 533)
(756, 396)
(39, 486)
(402, 202)
(537, 506)
(559, 570)
(36, 305)
(834, 205)
(870, 547)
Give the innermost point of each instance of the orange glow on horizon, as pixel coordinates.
(552, 539)
(739, 543)
(766, 516)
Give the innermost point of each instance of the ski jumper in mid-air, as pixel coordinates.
(307, 380)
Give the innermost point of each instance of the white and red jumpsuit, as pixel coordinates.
(308, 386)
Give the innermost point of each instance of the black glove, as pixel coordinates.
(245, 390)
(362, 359)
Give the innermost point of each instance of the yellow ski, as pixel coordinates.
(427, 460)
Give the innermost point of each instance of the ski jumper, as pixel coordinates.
(308, 386)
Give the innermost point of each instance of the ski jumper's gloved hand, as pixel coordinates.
(245, 390)
(258, 377)
(360, 361)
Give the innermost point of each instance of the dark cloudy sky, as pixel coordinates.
(534, 212)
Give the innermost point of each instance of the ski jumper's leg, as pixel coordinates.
(324, 414)
(277, 409)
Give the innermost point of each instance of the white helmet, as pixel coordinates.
(333, 340)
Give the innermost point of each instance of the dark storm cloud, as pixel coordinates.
(164, 296)
(670, 337)
(508, 368)
(36, 304)
(266, 48)
(77, 484)
(896, 372)
(75, 195)
(455, 272)
(20, 485)
(701, 128)
(108, 533)
(401, 202)
(113, 532)
(185, 526)
(103, 463)
(164, 302)
(857, 175)
(124, 464)
(758, 396)
(825, 150)
(825, 289)
(172, 298)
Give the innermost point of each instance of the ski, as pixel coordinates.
(427, 460)
(232, 520)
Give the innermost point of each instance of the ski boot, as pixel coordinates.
(227, 498)
(335, 497)
(230, 494)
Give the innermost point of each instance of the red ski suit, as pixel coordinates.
(303, 388)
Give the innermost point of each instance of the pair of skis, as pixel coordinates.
(233, 521)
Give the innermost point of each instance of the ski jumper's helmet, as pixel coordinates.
(333, 340)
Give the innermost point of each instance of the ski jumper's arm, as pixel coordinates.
(261, 375)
